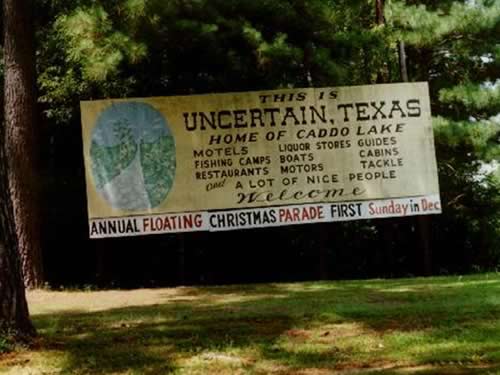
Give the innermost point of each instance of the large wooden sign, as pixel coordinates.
(257, 159)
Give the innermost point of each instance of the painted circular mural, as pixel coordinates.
(133, 156)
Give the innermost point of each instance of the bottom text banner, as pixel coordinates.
(263, 217)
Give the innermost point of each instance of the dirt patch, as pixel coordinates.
(298, 334)
(222, 357)
(333, 332)
(46, 302)
(14, 359)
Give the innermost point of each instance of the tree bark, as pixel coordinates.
(20, 134)
(383, 74)
(14, 315)
(403, 70)
(379, 12)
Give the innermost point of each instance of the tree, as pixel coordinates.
(14, 316)
(454, 45)
(20, 134)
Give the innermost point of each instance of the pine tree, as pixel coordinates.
(20, 134)
(147, 48)
(14, 316)
(454, 45)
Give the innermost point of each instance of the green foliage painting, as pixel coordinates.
(133, 156)
(158, 167)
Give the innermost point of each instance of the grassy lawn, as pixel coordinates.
(446, 325)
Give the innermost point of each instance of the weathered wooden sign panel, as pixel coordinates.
(258, 159)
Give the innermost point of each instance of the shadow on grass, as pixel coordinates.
(149, 340)
(447, 370)
(423, 323)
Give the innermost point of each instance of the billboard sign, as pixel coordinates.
(257, 159)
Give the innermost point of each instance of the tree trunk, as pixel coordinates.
(383, 74)
(181, 259)
(323, 271)
(379, 12)
(14, 315)
(403, 70)
(423, 230)
(423, 222)
(20, 137)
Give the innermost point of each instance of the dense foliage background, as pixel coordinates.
(89, 49)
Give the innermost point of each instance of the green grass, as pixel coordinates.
(5, 344)
(446, 325)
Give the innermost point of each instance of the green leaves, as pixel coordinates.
(419, 26)
(158, 168)
(478, 100)
(274, 51)
(133, 48)
(477, 140)
(93, 43)
(109, 161)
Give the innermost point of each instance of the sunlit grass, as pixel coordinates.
(429, 325)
